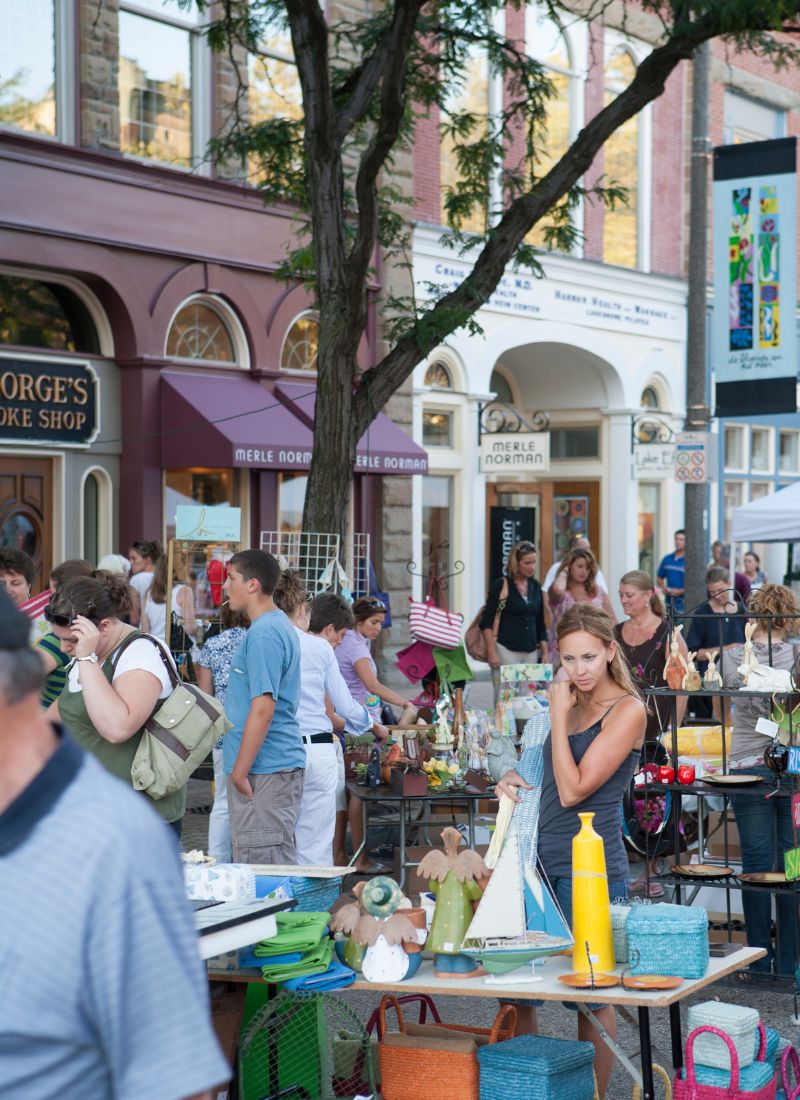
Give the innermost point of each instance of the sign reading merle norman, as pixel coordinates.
(44, 401)
(515, 452)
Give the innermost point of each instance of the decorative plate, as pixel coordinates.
(700, 870)
(650, 981)
(764, 878)
(588, 981)
(732, 780)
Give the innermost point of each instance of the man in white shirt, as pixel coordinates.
(577, 542)
(321, 680)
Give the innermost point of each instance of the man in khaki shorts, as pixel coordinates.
(263, 755)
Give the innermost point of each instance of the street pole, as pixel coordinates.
(697, 410)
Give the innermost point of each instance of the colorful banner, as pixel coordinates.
(754, 344)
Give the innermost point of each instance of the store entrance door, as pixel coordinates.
(26, 512)
(559, 510)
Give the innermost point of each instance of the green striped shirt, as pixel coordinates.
(57, 680)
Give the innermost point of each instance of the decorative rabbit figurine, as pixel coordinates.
(749, 658)
(712, 678)
(691, 679)
(675, 667)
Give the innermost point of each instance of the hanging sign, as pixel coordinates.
(693, 457)
(44, 401)
(754, 337)
(202, 524)
(796, 810)
(793, 764)
(515, 452)
(653, 460)
(791, 864)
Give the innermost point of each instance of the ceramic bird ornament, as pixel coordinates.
(675, 667)
(712, 678)
(691, 678)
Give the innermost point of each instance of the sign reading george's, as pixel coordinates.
(515, 452)
(44, 401)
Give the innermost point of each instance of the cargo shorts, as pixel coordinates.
(262, 827)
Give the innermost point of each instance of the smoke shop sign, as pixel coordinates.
(515, 452)
(47, 402)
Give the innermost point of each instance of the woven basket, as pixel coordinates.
(414, 1074)
(535, 1067)
(315, 895)
(756, 1082)
(619, 918)
(790, 1064)
(671, 940)
(737, 1021)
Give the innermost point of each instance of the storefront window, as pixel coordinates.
(621, 152)
(437, 523)
(91, 519)
(198, 485)
(28, 65)
(35, 314)
(734, 498)
(301, 344)
(437, 428)
(155, 83)
(572, 443)
(291, 498)
(471, 96)
(761, 449)
(648, 526)
(789, 452)
(199, 332)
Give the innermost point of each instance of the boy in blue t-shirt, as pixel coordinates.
(263, 755)
(672, 571)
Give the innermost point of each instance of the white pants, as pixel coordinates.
(341, 781)
(219, 833)
(316, 818)
(509, 657)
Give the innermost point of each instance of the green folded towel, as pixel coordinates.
(315, 961)
(296, 932)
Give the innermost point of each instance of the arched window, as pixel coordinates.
(38, 314)
(470, 96)
(301, 345)
(501, 388)
(91, 518)
(438, 376)
(621, 153)
(547, 43)
(203, 329)
(650, 398)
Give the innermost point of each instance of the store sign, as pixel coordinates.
(754, 335)
(43, 401)
(694, 457)
(793, 764)
(653, 460)
(515, 452)
(791, 864)
(202, 524)
(506, 527)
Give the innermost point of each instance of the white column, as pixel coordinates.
(621, 505)
(474, 482)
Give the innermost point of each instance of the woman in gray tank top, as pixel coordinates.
(597, 721)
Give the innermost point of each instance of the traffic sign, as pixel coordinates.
(694, 457)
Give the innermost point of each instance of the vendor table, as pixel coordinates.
(550, 989)
(371, 796)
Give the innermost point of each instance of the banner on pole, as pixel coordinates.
(754, 337)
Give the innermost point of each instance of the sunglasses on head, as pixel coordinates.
(374, 604)
(57, 620)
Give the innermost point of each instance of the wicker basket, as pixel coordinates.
(315, 895)
(410, 1073)
(534, 1067)
(755, 1082)
(737, 1021)
(619, 918)
(790, 1065)
(671, 940)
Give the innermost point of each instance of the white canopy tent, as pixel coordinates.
(775, 518)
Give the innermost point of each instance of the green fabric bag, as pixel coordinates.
(178, 736)
(452, 665)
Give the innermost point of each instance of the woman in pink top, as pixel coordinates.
(575, 583)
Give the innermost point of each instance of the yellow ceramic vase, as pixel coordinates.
(591, 909)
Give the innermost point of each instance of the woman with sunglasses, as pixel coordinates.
(111, 692)
(355, 658)
(513, 617)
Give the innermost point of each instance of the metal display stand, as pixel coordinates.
(191, 559)
(777, 789)
(315, 553)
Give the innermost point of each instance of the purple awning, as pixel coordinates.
(215, 420)
(383, 449)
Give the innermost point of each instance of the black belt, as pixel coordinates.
(318, 738)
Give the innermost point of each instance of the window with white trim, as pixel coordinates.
(203, 329)
(273, 83)
(437, 428)
(471, 95)
(734, 447)
(162, 82)
(438, 376)
(301, 346)
(748, 119)
(789, 452)
(733, 498)
(622, 153)
(36, 62)
(761, 450)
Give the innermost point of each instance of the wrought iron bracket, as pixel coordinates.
(647, 428)
(497, 416)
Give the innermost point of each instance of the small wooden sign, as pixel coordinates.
(796, 810)
(791, 863)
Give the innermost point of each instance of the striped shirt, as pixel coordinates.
(57, 680)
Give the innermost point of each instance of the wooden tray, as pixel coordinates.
(587, 981)
(764, 878)
(732, 780)
(650, 981)
(700, 870)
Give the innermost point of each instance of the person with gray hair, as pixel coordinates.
(125, 1010)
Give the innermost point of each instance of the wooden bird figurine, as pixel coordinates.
(691, 678)
(675, 667)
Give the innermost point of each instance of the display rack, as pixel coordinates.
(777, 789)
(315, 553)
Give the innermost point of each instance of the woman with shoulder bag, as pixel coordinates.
(117, 680)
(519, 636)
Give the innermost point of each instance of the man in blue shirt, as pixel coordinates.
(671, 572)
(263, 755)
(104, 991)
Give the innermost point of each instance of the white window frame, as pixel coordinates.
(795, 434)
(290, 372)
(779, 115)
(231, 322)
(200, 80)
(444, 410)
(744, 435)
(638, 50)
(64, 37)
(742, 500)
(770, 467)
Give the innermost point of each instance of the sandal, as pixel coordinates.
(374, 868)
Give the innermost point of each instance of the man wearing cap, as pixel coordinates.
(104, 993)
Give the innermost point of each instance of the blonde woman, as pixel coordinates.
(597, 729)
(513, 617)
(576, 583)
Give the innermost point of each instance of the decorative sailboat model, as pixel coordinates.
(518, 919)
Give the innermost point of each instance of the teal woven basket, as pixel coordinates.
(671, 940)
(315, 895)
(619, 931)
(534, 1067)
(739, 1023)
